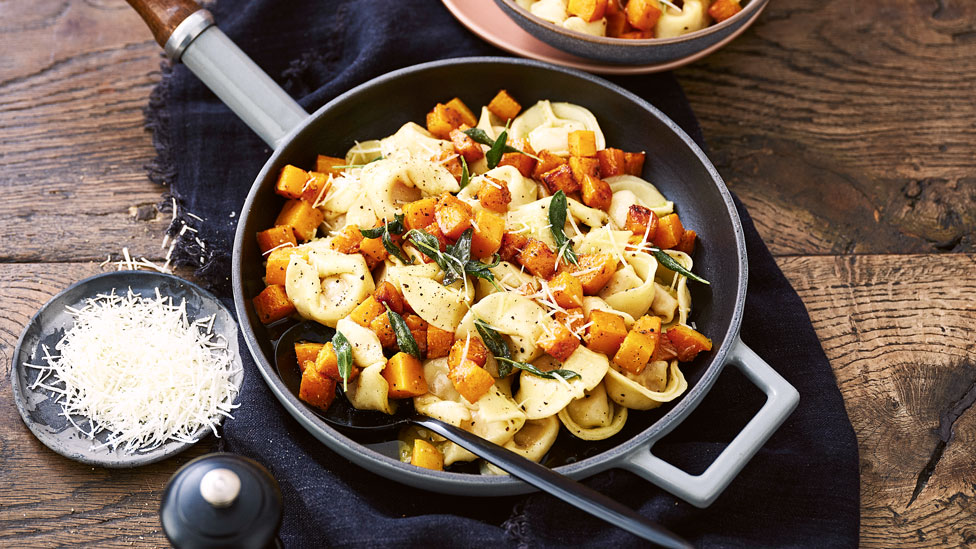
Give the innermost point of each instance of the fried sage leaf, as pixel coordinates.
(392, 227)
(551, 374)
(405, 339)
(496, 345)
(478, 269)
(670, 263)
(465, 174)
(557, 221)
(494, 154)
(343, 353)
(480, 136)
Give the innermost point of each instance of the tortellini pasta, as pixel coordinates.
(692, 16)
(547, 125)
(328, 285)
(500, 314)
(594, 416)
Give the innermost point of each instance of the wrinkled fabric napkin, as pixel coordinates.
(801, 489)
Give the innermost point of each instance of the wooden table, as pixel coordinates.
(848, 129)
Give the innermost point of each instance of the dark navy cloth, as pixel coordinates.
(801, 489)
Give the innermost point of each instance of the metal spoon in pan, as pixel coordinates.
(344, 417)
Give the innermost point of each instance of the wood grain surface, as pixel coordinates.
(846, 127)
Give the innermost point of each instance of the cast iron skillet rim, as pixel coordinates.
(132, 460)
(633, 44)
(352, 449)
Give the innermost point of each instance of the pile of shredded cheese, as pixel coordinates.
(138, 370)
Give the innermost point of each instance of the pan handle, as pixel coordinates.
(188, 34)
(701, 490)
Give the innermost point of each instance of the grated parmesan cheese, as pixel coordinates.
(139, 371)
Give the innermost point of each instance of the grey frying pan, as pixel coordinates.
(675, 164)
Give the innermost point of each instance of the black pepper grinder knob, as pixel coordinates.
(222, 500)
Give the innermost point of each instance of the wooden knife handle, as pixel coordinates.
(163, 16)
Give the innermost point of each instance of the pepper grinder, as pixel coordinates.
(222, 500)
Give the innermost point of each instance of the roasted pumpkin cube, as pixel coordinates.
(512, 246)
(467, 117)
(327, 364)
(419, 213)
(538, 259)
(504, 106)
(273, 304)
(638, 346)
(442, 119)
(593, 271)
(388, 295)
(665, 350)
(524, 163)
(348, 240)
(567, 291)
(451, 162)
(669, 232)
(720, 10)
(306, 352)
(405, 374)
(637, 35)
(641, 221)
(316, 187)
(489, 230)
(596, 192)
(688, 342)
(611, 162)
(582, 142)
(559, 342)
(438, 342)
(642, 14)
(327, 164)
(373, 251)
(471, 380)
(587, 10)
(583, 166)
(470, 348)
(465, 146)
(616, 22)
(547, 162)
(365, 312)
(302, 217)
(605, 333)
(282, 236)
(494, 194)
(418, 329)
(561, 178)
(383, 329)
(316, 390)
(571, 318)
(453, 216)
(634, 163)
(426, 455)
(277, 266)
(291, 181)
(687, 243)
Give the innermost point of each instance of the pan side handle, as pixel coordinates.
(188, 34)
(701, 490)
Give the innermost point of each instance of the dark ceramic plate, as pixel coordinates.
(38, 408)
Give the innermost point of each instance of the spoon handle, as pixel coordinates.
(564, 488)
